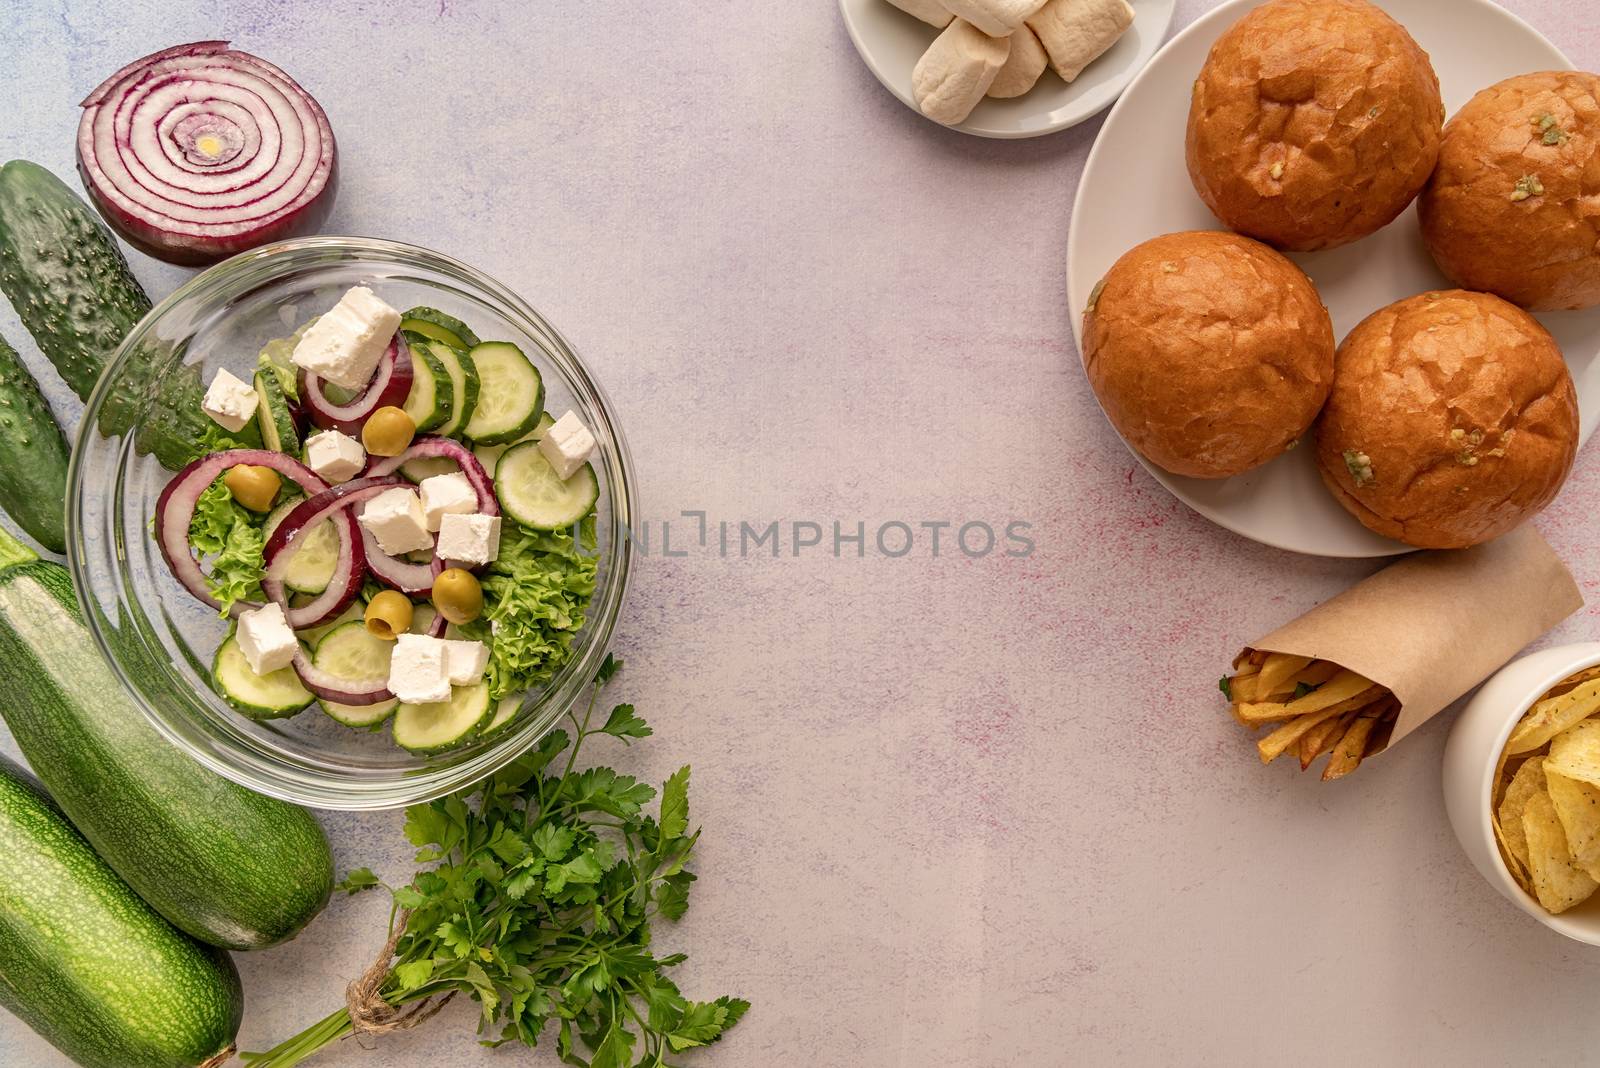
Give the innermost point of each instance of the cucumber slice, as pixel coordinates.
(489, 455)
(432, 393)
(430, 322)
(361, 717)
(530, 492)
(428, 466)
(463, 384)
(311, 567)
(433, 727)
(351, 651)
(272, 415)
(312, 635)
(275, 695)
(504, 713)
(422, 617)
(510, 394)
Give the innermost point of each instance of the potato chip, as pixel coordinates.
(1558, 883)
(1342, 687)
(1278, 669)
(1571, 681)
(1577, 806)
(1513, 865)
(1575, 752)
(1552, 715)
(1528, 780)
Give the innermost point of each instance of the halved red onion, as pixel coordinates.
(197, 152)
(351, 567)
(175, 510)
(433, 445)
(390, 384)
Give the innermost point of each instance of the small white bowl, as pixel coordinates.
(1470, 756)
(891, 41)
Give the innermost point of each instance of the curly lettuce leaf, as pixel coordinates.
(232, 537)
(537, 592)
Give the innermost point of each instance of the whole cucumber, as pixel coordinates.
(90, 967)
(231, 867)
(33, 478)
(69, 283)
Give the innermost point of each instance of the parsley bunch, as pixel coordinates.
(540, 908)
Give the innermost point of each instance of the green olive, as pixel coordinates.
(254, 487)
(388, 431)
(457, 595)
(389, 615)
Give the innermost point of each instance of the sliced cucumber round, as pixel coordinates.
(272, 415)
(312, 635)
(311, 567)
(430, 322)
(530, 492)
(422, 617)
(463, 374)
(275, 695)
(510, 394)
(361, 717)
(432, 393)
(504, 713)
(433, 727)
(351, 651)
(489, 455)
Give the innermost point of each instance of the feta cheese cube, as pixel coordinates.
(230, 402)
(567, 445)
(469, 539)
(265, 639)
(344, 345)
(446, 494)
(465, 661)
(394, 517)
(336, 457)
(418, 672)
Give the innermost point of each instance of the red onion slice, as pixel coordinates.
(332, 687)
(175, 510)
(415, 580)
(351, 566)
(197, 152)
(390, 384)
(433, 445)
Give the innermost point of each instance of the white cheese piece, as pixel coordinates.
(446, 494)
(932, 12)
(265, 639)
(344, 345)
(418, 672)
(1076, 32)
(465, 661)
(997, 18)
(394, 517)
(230, 401)
(567, 445)
(1024, 65)
(336, 457)
(956, 70)
(469, 539)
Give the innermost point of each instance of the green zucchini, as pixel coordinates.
(231, 867)
(71, 286)
(33, 477)
(90, 967)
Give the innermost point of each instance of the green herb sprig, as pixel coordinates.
(540, 907)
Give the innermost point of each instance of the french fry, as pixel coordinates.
(1256, 657)
(1278, 669)
(1342, 687)
(1317, 740)
(1313, 674)
(1351, 749)
(1243, 688)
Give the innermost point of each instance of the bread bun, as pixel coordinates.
(1210, 353)
(1515, 203)
(1452, 419)
(1313, 123)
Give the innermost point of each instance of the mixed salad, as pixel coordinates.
(396, 527)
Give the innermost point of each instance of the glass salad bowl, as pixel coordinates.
(161, 640)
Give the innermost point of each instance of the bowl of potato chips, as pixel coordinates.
(1522, 786)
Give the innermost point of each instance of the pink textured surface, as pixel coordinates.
(958, 812)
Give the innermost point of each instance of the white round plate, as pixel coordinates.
(1135, 186)
(891, 42)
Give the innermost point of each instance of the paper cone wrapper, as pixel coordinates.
(1436, 624)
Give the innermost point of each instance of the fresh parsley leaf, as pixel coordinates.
(675, 805)
(608, 667)
(1225, 684)
(358, 880)
(1301, 689)
(622, 723)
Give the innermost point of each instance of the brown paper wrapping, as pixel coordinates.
(1436, 624)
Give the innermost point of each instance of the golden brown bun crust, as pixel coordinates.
(1210, 353)
(1538, 250)
(1332, 95)
(1457, 411)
